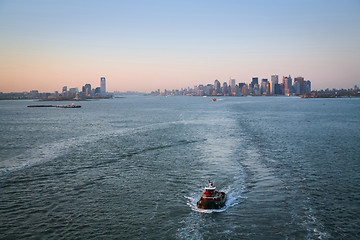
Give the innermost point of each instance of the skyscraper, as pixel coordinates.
(274, 82)
(255, 80)
(275, 79)
(296, 87)
(264, 88)
(209, 89)
(87, 89)
(217, 86)
(300, 85)
(102, 86)
(232, 83)
(64, 91)
(244, 90)
(307, 86)
(225, 89)
(287, 82)
(233, 86)
(252, 85)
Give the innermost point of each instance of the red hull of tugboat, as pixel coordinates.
(212, 203)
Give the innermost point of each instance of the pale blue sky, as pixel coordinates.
(146, 45)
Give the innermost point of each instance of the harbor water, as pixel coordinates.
(134, 168)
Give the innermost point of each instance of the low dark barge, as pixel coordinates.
(41, 106)
(56, 106)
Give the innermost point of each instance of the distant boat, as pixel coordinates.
(69, 106)
(214, 99)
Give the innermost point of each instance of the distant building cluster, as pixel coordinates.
(87, 91)
(334, 93)
(256, 88)
(34, 94)
(66, 93)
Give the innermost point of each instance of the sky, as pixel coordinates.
(145, 45)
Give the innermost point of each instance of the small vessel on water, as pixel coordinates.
(214, 99)
(69, 106)
(211, 199)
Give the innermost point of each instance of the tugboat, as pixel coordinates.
(211, 199)
(69, 106)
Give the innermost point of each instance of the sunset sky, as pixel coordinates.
(144, 45)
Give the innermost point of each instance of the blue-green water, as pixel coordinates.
(133, 168)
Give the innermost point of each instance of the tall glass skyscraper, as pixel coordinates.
(287, 82)
(273, 83)
(217, 86)
(102, 86)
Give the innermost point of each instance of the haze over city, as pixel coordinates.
(146, 45)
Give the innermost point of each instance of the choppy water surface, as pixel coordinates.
(134, 168)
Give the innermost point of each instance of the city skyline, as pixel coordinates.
(87, 89)
(298, 86)
(257, 87)
(146, 45)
